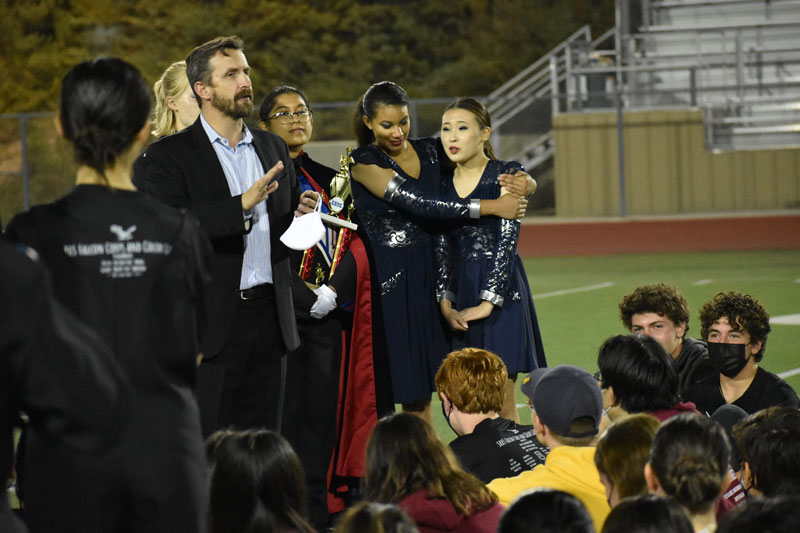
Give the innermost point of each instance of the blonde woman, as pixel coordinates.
(176, 107)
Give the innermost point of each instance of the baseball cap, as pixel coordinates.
(562, 394)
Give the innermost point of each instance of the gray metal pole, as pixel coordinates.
(620, 150)
(26, 182)
(554, 86)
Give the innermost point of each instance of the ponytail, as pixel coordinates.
(364, 135)
(104, 105)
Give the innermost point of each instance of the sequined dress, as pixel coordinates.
(402, 249)
(477, 259)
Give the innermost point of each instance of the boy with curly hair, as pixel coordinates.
(661, 312)
(736, 326)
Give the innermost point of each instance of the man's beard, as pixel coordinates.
(234, 108)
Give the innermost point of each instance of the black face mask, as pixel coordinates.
(446, 416)
(727, 359)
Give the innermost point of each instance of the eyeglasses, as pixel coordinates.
(285, 117)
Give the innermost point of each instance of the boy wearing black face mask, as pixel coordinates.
(736, 327)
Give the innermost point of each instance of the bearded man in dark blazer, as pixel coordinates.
(241, 185)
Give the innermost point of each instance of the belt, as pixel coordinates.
(257, 292)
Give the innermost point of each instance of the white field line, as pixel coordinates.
(586, 288)
(701, 282)
(788, 373)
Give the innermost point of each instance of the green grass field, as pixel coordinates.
(576, 299)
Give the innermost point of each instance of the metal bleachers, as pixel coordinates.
(739, 60)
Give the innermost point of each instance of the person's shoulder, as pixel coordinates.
(267, 137)
(505, 167)
(19, 263)
(778, 386)
(694, 347)
(507, 487)
(428, 148)
(370, 155)
(316, 169)
(25, 222)
(174, 144)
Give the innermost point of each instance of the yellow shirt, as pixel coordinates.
(567, 468)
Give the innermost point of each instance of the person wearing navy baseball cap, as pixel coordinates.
(567, 408)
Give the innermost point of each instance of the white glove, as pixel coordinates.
(326, 302)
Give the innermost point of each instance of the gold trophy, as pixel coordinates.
(340, 194)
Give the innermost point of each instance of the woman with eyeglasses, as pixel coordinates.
(310, 417)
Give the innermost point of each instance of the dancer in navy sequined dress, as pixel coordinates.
(481, 283)
(395, 188)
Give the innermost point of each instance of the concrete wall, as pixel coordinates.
(668, 169)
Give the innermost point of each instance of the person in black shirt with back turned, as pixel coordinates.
(471, 385)
(134, 270)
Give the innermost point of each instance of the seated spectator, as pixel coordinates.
(727, 417)
(567, 407)
(780, 514)
(409, 465)
(371, 517)
(647, 514)
(736, 327)
(689, 463)
(546, 511)
(257, 485)
(769, 444)
(639, 376)
(471, 384)
(211, 445)
(662, 312)
(620, 456)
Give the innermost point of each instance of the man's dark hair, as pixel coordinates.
(769, 441)
(647, 514)
(659, 299)
(743, 312)
(546, 511)
(772, 515)
(641, 372)
(197, 62)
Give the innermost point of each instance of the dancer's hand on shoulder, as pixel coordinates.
(521, 183)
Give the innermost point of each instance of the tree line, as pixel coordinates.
(333, 49)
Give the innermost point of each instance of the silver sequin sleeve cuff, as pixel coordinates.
(475, 208)
(492, 298)
(391, 188)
